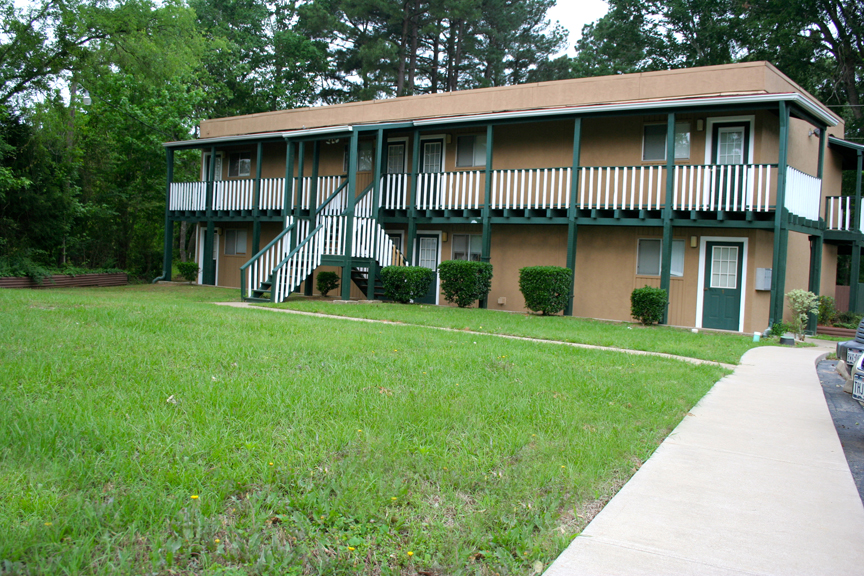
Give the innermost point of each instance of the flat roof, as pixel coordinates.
(689, 87)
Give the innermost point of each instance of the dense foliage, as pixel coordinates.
(406, 283)
(464, 282)
(189, 270)
(326, 282)
(648, 304)
(547, 289)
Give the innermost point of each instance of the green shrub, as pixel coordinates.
(405, 283)
(189, 270)
(326, 282)
(648, 304)
(546, 289)
(847, 320)
(464, 282)
(827, 310)
(778, 329)
(802, 303)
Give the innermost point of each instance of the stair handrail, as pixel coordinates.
(287, 258)
(260, 253)
(330, 198)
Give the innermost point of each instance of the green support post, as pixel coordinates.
(376, 195)
(855, 273)
(313, 201)
(815, 275)
(666, 257)
(412, 209)
(349, 215)
(572, 226)
(168, 255)
(781, 231)
(288, 203)
(256, 202)
(486, 239)
(208, 275)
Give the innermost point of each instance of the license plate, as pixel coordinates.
(858, 387)
(852, 356)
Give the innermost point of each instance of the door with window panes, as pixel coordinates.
(427, 256)
(730, 152)
(431, 164)
(721, 305)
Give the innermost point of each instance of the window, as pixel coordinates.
(471, 151)
(654, 142)
(396, 158)
(235, 242)
(467, 247)
(364, 156)
(239, 164)
(396, 238)
(648, 260)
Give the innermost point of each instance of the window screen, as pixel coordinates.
(649, 257)
(239, 164)
(467, 247)
(471, 151)
(235, 242)
(654, 143)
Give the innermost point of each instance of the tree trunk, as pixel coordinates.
(457, 56)
(415, 25)
(436, 51)
(403, 42)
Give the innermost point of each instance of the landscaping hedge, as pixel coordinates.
(648, 304)
(405, 283)
(326, 281)
(464, 282)
(546, 289)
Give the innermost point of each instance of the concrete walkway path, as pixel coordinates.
(753, 481)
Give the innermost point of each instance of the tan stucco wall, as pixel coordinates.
(797, 268)
(229, 265)
(742, 78)
(829, 270)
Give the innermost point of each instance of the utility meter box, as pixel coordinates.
(763, 279)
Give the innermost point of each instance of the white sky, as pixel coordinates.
(573, 14)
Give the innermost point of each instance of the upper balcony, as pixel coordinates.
(744, 192)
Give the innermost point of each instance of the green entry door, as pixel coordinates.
(721, 306)
(427, 256)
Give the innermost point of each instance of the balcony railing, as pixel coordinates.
(707, 188)
(840, 214)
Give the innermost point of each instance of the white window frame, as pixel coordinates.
(700, 288)
(666, 147)
(239, 173)
(245, 243)
(475, 163)
(400, 140)
(443, 138)
(453, 245)
(675, 241)
(709, 134)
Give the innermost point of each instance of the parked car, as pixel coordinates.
(851, 350)
(858, 380)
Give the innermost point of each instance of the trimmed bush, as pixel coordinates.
(189, 270)
(827, 310)
(464, 282)
(546, 289)
(405, 283)
(648, 304)
(803, 303)
(326, 281)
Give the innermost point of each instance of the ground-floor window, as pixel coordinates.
(235, 242)
(649, 258)
(467, 247)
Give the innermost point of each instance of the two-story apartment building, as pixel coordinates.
(720, 184)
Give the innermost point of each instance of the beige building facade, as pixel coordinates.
(721, 185)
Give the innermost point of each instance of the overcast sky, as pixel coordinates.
(573, 14)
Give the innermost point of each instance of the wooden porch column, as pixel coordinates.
(168, 254)
(412, 208)
(572, 227)
(815, 281)
(666, 254)
(256, 203)
(349, 215)
(855, 272)
(377, 162)
(208, 275)
(313, 201)
(781, 231)
(288, 202)
(486, 240)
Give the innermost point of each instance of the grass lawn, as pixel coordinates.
(707, 345)
(147, 431)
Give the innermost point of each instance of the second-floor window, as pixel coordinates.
(239, 164)
(471, 151)
(467, 247)
(364, 157)
(654, 142)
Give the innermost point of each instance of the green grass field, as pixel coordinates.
(146, 430)
(706, 345)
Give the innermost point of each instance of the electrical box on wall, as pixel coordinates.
(763, 279)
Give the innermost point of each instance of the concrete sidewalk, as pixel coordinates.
(753, 481)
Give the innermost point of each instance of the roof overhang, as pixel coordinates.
(848, 151)
(241, 138)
